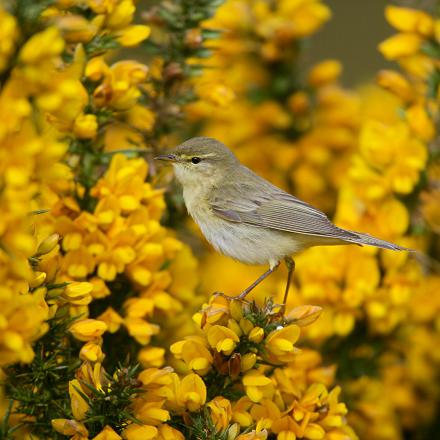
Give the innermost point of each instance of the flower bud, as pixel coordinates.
(133, 35)
(235, 308)
(151, 356)
(48, 244)
(88, 329)
(395, 83)
(233, 325)
(247, 361)
(91, 352)
(324, 73)
(38, 279)
(256, 335)
(85, 126)
(246, 325)
(140, 432)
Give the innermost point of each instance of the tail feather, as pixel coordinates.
(369, 240)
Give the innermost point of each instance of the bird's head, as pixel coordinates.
(201, 160)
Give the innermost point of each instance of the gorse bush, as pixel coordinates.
(109, 328)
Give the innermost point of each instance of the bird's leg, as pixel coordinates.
(290, 269)
(254, 284)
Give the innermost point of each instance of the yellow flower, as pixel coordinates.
(22, 320)
(314, 432)
(93, 374)
(259, 434)
(107, 434)
(403, 157)
(48, 244)
(139, 432)
(396, 83)
(119, 88)
(325, 72)
(257, 385)
(76, 28)
(256, 334)
(166, 432)
(133, 35)
(140, 329)
(88, 329)
(279, 343)
(37, 280)
(96, 68)
(152, 356)
(141, 117)
(216, 94)
(91, 352)
(41, 46)
(192, 392)
(222, 339)
(85, 126)
(240, 411)
(78, 264)
(8, 36)
(112, 319)
(151, 412)
(221, 412)
(337, 411)
(121, 14)
(78, 293)
(215, 311)
(78, 404)
(409, 20)
(100, 289)
(400, 45)
(247, 361)
(194, 353)
(420, 122)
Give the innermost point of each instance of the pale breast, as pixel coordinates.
(246, 243)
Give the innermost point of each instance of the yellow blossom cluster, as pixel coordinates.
(111, 18)
(373, 154)
(67, 236)
(48, 97)
(410, 138)
(29, 167)
(97, 294)
(122, 237)
(249, 351)
(243, 368)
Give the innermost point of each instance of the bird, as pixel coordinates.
(246, 217)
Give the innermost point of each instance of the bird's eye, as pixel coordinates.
(195, 160)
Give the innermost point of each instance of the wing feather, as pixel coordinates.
(262, 204)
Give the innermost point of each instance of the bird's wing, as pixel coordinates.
(262, 204)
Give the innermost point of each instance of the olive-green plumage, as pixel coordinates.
(244, 216)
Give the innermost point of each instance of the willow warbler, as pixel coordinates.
(247, 218)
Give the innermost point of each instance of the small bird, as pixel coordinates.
(247, 218)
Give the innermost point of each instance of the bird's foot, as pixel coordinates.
(282, 310)
(240, 297)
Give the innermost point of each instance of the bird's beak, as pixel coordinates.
(167, 157)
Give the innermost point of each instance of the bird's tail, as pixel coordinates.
(361, 239)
